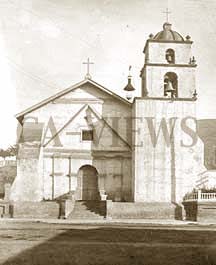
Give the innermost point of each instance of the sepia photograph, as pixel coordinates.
(108, 132)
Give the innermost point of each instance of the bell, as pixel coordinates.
(129, 95)
(129, 88)
(169, 58)
(169, 87)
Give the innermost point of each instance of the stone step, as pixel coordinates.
(87, 206)
(88, 210)
(84, 216)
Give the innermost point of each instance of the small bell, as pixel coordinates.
(168, 88)
(169, 58)
(129, 88)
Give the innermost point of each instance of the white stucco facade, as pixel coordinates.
(144, 151)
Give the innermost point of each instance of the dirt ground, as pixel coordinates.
(26, 243)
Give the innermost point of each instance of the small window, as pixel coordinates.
(87, 135)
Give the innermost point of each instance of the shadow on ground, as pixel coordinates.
(117, 246)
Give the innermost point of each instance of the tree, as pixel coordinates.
(10, 151)
(4, 153)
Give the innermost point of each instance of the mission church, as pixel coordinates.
(138, 156)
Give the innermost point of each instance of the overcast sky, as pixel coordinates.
(44, 42)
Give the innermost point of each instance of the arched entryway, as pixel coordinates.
(87, 184)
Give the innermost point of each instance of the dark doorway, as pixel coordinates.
(87, 184)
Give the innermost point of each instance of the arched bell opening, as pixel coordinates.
(171, 85)
(170, 56)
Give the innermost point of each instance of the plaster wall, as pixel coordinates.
(157, 52)
(28, 184)
(61, 110)
(114, 175)
(40, 178)
(164, 173)
(154, 80)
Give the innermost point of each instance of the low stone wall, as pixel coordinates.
(5, 209)
(190, 208)
(66, 207)
(201, 211)
(35, 210)
(114, 210)
(140, 210)
(206, 212)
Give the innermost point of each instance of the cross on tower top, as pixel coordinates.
(167, 12)
(88, 63)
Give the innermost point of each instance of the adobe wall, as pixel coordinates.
(69, 113)
(28, 185)
(155, 80)
(114, 175)
(165, 173)
(140, 210)
(61, 110)
(157, 52)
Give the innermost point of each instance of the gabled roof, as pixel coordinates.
(67, 90)
(99, 117)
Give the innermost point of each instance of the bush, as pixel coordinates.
(208, 190)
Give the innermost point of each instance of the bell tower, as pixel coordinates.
(169, 67)
(165, 166)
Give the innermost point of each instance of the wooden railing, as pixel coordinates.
(200, 196)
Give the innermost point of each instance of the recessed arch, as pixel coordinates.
(170, 56)
(87, 183)
(171, 84)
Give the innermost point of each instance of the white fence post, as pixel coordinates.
(199, 197)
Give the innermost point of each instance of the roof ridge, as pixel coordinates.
(67, 90)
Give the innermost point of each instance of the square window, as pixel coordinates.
(87, 135)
